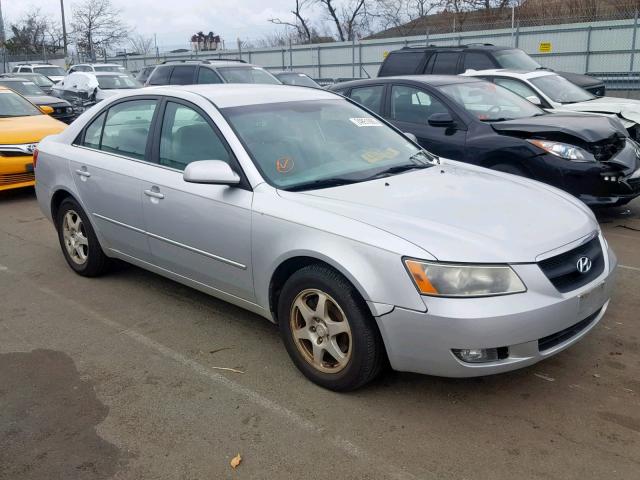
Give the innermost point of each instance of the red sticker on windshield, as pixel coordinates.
(284, 165)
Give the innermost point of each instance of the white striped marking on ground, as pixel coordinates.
(346, 446)
(627, 267)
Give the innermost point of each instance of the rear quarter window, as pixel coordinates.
(401, 63)
(160, 76)
(446, 63)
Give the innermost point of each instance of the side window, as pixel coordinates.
(370, 97)
(126, 128)
(477, 61)
(446, 63)
(182, 75)
(15, 69)
(516, 86)
(401, 63)
(409, 104)
(93, 133)
(71, 70)
(187, 137)
(206, 75)
(160, 76)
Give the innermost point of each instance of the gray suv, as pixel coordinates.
(190, 72)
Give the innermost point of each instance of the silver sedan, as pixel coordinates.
(305, 208)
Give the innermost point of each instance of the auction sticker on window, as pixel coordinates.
(366, 122)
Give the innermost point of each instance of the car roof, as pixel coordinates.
(524, 74)
(434, 80)
(240, 94)
(212, 63)
(469, 46)
(14, 79)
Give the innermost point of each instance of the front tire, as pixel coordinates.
(78, 241)
(328, 331)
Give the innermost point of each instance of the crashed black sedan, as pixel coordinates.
(590, 156)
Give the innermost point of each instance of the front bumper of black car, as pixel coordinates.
(598, 184)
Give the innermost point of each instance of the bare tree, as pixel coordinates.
(34, 33)
(141, 44)
(300, 22)
(397, 13)
(97, 26)
(348, 18)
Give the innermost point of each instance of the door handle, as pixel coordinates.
(154, 194)
(83, 172)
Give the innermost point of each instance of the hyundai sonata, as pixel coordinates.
(301, 206)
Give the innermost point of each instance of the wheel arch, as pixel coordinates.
(57, 198)
(292, 264)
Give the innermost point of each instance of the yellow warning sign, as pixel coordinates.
(385, 54)
(544, 47)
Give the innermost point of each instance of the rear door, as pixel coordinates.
(409, 110)
(112, 152)
(402, 62)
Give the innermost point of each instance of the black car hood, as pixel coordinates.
(584, 81)
(588, 128)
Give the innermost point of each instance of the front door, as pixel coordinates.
(410, 109)
(198, 231)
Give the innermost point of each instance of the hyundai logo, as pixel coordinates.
(31, 147)
(584, 264)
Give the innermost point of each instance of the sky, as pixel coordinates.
(174, 21)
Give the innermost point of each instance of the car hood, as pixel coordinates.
(45, 100)
(584, 81)
(30, 129)
(588, 128)
(461, 214)
(628, 108)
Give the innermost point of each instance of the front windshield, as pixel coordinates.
(299, 79)
(55, 71)
(489, 102)
(23, 87)
(247, 75)
(561, 90)
(108, 68)
(13, 105)
(300, 145)
(111, 82)
(515, 59)
(39, 80)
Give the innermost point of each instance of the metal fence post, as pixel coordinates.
(319, 64)
(633, 41)
(283, 60)
(518, 33)
(586, 67)
(360, 60)
(353, 57)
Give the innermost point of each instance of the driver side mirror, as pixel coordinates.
(215, 172)
(441, 120)
(46, 109)
(534, 99)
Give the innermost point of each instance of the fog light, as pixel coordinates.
(480, 355)
(606, 179)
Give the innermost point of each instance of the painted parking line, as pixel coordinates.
(628, 267)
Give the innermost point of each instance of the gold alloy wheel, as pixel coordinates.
(321, 331)
(75, 238)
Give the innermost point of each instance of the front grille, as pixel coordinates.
(605, 149)
(562, 270)
(562, 336)
(11, 178)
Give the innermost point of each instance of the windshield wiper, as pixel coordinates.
(399, 169)
(321, 183)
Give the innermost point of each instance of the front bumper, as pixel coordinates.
(422, 342)
(591, 181)
(16, 172)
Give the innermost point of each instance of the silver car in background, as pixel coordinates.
(303, 207)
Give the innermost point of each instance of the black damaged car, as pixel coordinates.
(474, 121)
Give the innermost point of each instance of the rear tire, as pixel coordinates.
(78, 241)
(328, 331)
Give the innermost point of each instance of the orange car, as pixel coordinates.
(22, 126)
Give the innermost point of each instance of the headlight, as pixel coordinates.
(564, 150)
(448, 280)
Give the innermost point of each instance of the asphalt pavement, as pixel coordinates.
(127, 377)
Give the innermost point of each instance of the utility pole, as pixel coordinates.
(64, 29)
(2, 39)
